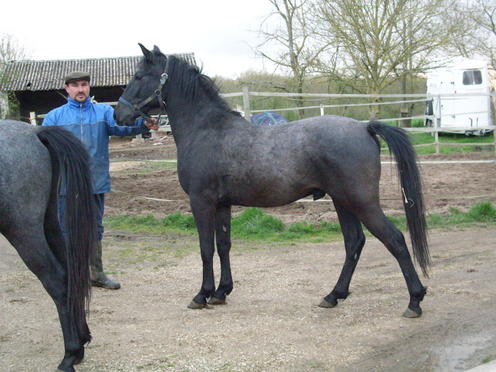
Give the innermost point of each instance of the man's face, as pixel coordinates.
(78, 90)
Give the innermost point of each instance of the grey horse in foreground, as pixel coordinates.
(223, 160)
(32, 162)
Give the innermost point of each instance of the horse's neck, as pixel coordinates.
(187, 118)
(184, 118)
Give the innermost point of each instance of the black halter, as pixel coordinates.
(157, 94)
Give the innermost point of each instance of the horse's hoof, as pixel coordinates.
(217, 301)
(409, 313)
(328, 305)
(70, 369)
(196, 306)
(79, 356)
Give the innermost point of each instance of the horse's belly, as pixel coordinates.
(267, 197)
(262, 186)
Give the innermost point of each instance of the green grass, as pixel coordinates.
(251, 224)
(488, 359)
(254, 224)
(461, 139)
(174, 223)
(147, 166)
(426, 138)
(480, 213)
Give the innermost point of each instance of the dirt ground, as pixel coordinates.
(271, 321)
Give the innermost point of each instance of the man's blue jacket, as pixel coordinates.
(93, 123)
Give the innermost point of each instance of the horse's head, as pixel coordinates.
(145, 90)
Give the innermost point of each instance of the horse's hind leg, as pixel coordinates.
(223, 239)
(36, 254)
(354, 240)
(384, 230)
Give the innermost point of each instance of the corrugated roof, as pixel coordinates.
(49, 75)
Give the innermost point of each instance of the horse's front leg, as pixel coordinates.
(223, 239)
(204, 214)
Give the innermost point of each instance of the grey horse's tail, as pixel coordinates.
(69, 157)
(400, 146)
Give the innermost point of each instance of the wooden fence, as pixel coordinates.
(434, 129)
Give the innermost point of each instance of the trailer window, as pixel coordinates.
(472, 77)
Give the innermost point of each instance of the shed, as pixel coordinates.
(38, 86)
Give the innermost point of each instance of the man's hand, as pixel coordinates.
(152, 123)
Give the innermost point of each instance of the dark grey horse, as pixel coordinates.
(31, 162)
(223, 160)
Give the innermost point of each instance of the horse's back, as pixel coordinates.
(340, 144)
(25, 174)
(345, 136)
(341, 135)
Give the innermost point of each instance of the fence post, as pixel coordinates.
(246, 103)
(437, 124)
(32, 118)
(494, 139)
(322, 110)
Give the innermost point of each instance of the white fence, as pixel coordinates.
(435, 119)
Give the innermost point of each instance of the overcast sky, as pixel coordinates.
(221, 33)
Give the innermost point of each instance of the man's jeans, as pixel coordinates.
(100, 206)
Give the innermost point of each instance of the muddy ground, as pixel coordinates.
(271, 321)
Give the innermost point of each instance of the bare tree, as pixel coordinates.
(423, 35)
(10, 50)
(296, 49)
(382, 41)
(474, 29)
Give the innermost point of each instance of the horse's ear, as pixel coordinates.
(146, 52)
(156, 50)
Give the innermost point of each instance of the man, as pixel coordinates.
(93, 123)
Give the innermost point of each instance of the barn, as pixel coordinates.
(38, 86)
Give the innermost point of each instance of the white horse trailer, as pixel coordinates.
(460, 97)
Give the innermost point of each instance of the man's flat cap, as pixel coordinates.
(76, 76)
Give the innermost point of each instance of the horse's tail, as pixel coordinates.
(69, 157)
(400, 146)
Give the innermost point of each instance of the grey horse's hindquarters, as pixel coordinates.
(25, 178)
(348, 163)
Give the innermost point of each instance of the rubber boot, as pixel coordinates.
(98, 277)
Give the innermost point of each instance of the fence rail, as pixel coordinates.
(436, 121)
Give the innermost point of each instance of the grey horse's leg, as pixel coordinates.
(354, 240)
(223, 238)
(204, 214)
(384, 230)
(36, 254)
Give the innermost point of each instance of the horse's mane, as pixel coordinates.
(191, 83)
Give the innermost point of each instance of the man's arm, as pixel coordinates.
(114, 129)
(49, 119)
